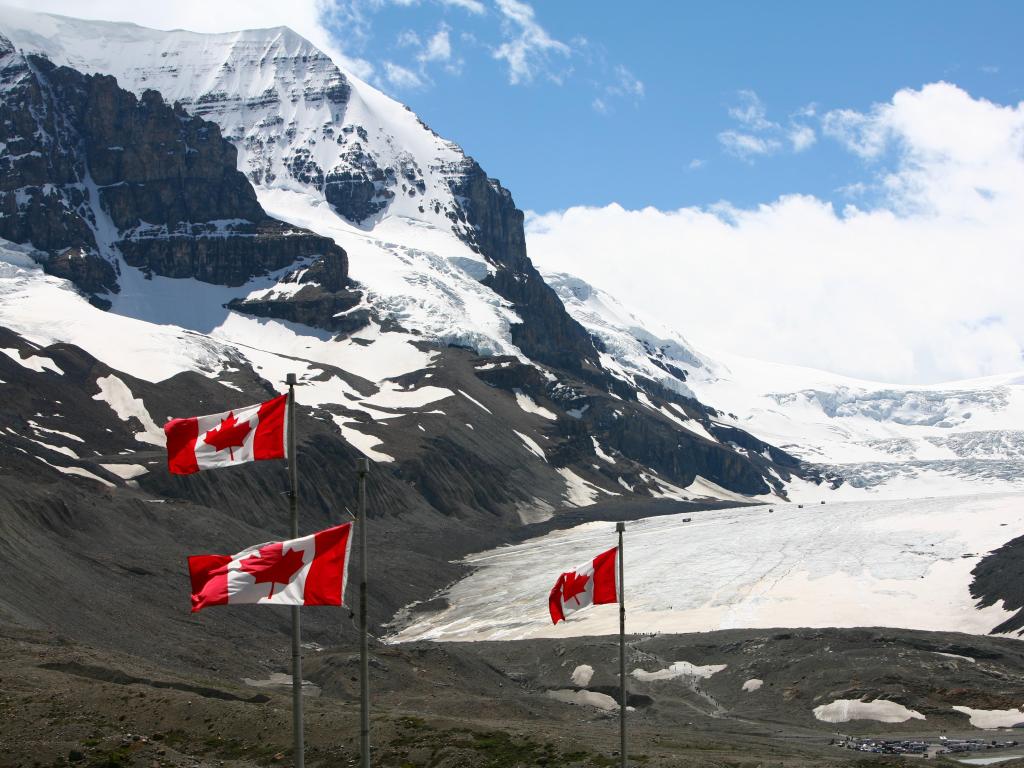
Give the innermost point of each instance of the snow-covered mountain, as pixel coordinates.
(434, 254)
(884, 441)
(322, 147)
(351, 245)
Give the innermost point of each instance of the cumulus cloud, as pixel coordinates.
(922, 285)
(528, 47)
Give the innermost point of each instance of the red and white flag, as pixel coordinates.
(252, 433)
(307, 571)
(593, 583)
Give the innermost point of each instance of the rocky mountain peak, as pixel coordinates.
(92, 173)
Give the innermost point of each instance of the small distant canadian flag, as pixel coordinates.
(252, 433)
(306, 571)
(593, 583)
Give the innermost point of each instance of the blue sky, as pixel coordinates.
(671, 79)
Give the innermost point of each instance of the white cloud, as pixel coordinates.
(409, 39)
(473, 6)
(746, 145)
(438, 47)
(528, 45)
(859, 133)
(400, 76)
(626, 84)
(801, 137)
(925, 286)
(757, 135)
(695, 164)
(751, 112)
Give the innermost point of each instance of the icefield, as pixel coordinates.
(877, 563)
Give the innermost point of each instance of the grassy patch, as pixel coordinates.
(486, 749)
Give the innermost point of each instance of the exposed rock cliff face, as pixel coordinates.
(90, 172)
(323, 300)
(487, 219)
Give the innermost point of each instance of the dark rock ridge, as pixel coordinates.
(488, 220)
(324, 300)
(88, 169)
(637, 438)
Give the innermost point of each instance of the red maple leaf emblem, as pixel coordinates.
(573, 584)
(230, 434)
(272, 565)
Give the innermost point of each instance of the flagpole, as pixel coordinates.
(293, 498)
(363, 468)
(620, 528)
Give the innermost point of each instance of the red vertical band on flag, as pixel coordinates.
(209, 574)
(325, 582)
(181, 445)
(604, 578)
(268, 442)
(555, 601)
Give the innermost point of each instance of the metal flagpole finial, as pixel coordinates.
(290, 380)
(620, 527)
(363, 466)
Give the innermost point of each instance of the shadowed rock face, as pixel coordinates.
(325, 300)
(490, 223)
(88, 169)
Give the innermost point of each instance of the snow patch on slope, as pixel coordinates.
(845, 710)
(679, 669)
(116, 394)
(993, 718)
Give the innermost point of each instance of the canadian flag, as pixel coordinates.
(307, 571)
(252, 433)
(593, 583)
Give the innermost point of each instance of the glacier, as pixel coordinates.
(867, 563)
